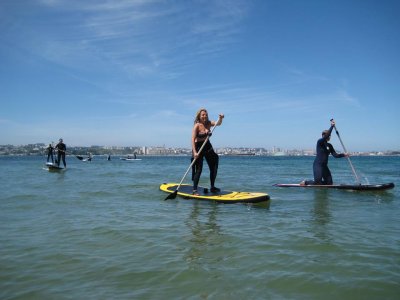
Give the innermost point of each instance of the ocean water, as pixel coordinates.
(102, 230)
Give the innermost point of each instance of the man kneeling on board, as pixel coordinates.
(322, 174)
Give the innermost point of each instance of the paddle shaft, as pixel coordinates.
(67, 152)
(348, 158)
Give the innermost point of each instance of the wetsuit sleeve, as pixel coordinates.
(333, 152)
(330, 132)
(322, 142)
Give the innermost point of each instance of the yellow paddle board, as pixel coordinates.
(186, 191)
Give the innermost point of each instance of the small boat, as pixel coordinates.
(130, 158)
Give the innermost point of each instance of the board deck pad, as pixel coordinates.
(354, 187)
(186, 191)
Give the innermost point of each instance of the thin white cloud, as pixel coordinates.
(142, 38)
(345, 97)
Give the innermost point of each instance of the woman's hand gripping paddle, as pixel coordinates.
(348, 157)
(173, 195)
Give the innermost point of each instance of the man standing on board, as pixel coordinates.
(61, 149)
(322, 174)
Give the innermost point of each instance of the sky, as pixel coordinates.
(134, 73)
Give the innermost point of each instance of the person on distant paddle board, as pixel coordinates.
(61, 149)
(201, 130)
(322, 174)
(50, 150)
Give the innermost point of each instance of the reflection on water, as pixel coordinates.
(205, 232)
(321, 215)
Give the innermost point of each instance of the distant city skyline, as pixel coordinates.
(41, 148)
(136, 72)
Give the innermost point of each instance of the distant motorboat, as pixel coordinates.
(88, 158)
(130, 158)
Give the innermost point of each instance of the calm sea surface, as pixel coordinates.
(102, 230)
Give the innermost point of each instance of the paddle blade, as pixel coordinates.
(172, 195)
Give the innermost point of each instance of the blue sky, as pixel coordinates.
(134, 73)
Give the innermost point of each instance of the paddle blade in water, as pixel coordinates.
(172, 195)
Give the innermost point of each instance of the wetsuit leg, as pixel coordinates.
(193, 168)
(327, 176)
(63, 159)
(317, 169)
(50, 154)
(212, 159)
(196, 171)
(58, 159)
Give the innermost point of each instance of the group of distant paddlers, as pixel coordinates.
(61, 149)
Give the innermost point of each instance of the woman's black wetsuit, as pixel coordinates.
(322, 174)
(212, 161)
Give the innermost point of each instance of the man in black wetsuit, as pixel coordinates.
(61, 149)
(322, 174)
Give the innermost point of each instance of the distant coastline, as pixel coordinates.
(39, 149)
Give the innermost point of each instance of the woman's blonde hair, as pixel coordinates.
(197, 118)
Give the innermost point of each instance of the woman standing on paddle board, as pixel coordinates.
(201, 130)
(322, 174)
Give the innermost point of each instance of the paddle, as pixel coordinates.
(348, 157)
(67, 152)
(173, 195)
